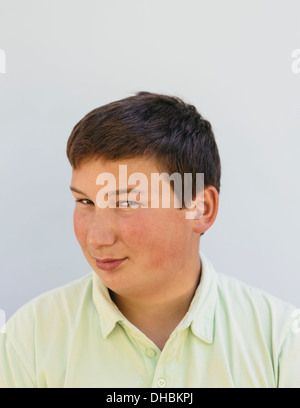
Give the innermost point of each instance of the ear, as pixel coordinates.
(206, 212)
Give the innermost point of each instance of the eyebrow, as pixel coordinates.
(118, 192)
(76, 190)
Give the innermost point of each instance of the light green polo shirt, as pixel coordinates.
(75, 336)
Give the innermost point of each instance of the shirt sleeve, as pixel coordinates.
(289, 359)
(13, 371)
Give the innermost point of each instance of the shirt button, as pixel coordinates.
(150, 352)
(161, 383)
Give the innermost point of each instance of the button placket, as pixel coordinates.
(161, 383)
(163, 377)
(150, 353)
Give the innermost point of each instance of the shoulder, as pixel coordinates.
(247, 295)
(49, 311)
(64, 298)
(40, 329)
(254, 309)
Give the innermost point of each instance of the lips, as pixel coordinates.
(109, 264)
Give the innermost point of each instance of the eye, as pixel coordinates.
(128, 204)
(84, 201)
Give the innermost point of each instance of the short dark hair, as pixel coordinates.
(156, 126)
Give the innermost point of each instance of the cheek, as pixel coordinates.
(80, 226)
(158, 240)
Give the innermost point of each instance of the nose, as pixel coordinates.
(102, 231)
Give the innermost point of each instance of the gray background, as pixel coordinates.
(232, 59)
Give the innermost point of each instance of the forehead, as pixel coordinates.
(89, 171)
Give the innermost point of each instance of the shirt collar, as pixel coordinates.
(108, 312)
(200, 315)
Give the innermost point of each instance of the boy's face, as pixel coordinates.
(158, 246)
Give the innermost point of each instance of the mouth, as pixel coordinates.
(109, 264)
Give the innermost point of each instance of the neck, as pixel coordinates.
(159, 314)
